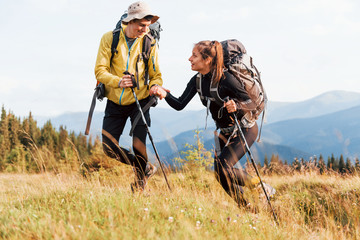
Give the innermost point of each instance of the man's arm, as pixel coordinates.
(102, 66)
(155, 76)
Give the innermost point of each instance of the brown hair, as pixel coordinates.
(214, 51)
(147, 18)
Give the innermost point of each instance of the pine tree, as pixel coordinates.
(329, 164)
(335, 164)
(315, 161)
(349, 167)
(5, 145)
(321, 164)
(341, 166)
(34, 131)
(14, 128)
(63, 135)
(357, 165)
(274, 159)
(49, 137)
(266, 161)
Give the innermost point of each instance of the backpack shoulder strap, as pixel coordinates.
(146, 50)
(213, 90)
(214, 86)
(147, 45)
(115, 42)
(198, 85)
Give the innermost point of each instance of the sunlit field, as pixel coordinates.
(102, 206)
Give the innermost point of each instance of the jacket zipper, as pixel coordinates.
(127, 62)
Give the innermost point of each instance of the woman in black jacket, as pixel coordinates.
(207, 60)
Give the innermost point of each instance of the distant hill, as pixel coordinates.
(326, 103)
(323, 124)
(170, 149)
(337, 133)
(167, 123)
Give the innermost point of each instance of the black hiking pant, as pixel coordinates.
(232, 179)
(113, 125)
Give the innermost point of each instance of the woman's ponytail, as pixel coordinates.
(218, 61)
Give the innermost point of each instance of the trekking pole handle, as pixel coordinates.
(133, 80)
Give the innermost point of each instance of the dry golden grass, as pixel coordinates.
(102, 206)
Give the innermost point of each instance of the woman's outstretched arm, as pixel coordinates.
(181, 102)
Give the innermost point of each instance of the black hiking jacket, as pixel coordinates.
(229, 86)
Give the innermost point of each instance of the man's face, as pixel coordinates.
(137, 28)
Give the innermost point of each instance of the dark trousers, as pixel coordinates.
(113, 125)
(230, 178)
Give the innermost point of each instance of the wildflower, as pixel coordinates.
(198, 223)
(228, 218)
(182, 210)
(171, 219)
(200, 209)
(146, 209)
(212, 221)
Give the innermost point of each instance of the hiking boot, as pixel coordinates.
(270, 191)
(243, 201)
(150, 171)
(138, 185)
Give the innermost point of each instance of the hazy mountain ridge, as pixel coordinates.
(325, 103)
(324, 124)
(337, 133)
(173, 148)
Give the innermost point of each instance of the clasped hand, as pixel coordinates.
(158, 91)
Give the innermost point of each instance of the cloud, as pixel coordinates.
(223, 15)
(319, 30)
(48, 6)
(330, 7)
(8, 85)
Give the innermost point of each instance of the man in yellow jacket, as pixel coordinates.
(114, 74)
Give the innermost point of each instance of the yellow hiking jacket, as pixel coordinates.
(125, 60)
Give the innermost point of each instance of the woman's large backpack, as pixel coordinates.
(239, 64)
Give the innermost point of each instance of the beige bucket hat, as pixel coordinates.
(139, 10)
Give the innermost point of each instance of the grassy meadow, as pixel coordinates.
(101, 206)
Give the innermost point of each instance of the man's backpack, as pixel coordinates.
(154, 33)
(239, 64)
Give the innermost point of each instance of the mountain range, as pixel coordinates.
(324, 125)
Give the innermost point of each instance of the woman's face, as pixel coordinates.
(198, 63)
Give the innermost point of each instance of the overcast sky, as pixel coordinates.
(48, 48)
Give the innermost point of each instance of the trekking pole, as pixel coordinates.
(150, 137)
(252, 161)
